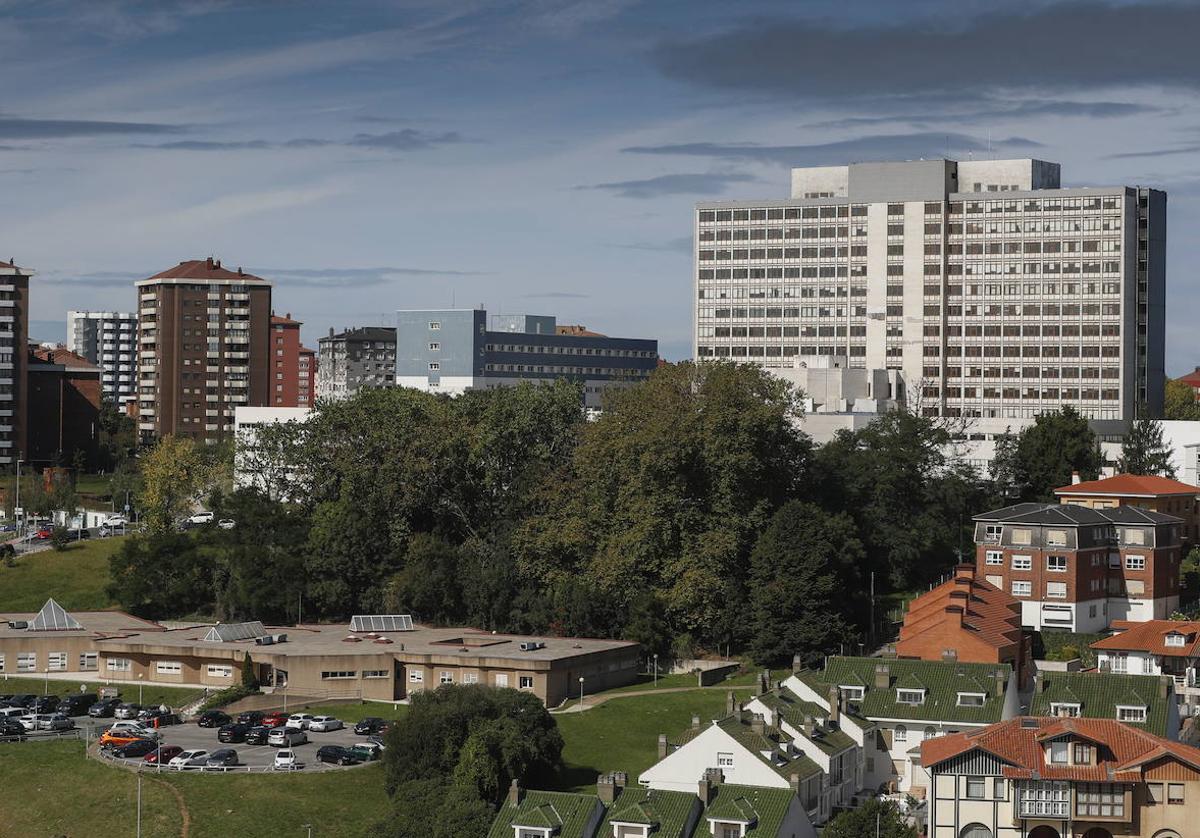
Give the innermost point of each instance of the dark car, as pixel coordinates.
(22, 700)
(104, 708)
(45, 704)
(213, 718)
(337, 754)
(163, 755)
(158, 716)
(77, 705)
(250, 717)
(222, 758)
(136, 748)
(233, 733)
(257, 735)
(127, 710)
(370, 724)
(11, 727)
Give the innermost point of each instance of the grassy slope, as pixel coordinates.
(51, 789)
(75, 577)
(151, 693)
(350, 713)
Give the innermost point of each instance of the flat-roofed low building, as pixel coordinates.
(53, 640)
(387, 663)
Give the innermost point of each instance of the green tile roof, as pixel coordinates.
(666, 811)
(567, 813)
(738, 726)
(1099, 693)
(792, 709)
(764, 808)
(942, 682)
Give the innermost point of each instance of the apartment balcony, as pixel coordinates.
(149, 296)
(147, 368)
(7, 303)
(8, 287)
(146, 426)
(237, 298)
(211, 398)
(212, 413)
(146, 411)
(210, 427)
(148, 310)
(238, 384)
(212, 355)
(239, 356)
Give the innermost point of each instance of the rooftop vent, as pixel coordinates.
(350, 638)
(532, 645)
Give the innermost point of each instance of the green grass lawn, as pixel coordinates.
(95, 485)
(151, 693)
(351, 713)
(51, 789)
(622, 734)
(75, 577)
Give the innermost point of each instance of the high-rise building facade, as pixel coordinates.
(14, 335)
(354, 359)
(452, 350)
(109, 340)
(204, 349)
(306, 386)
(995, 292)
(285, 361)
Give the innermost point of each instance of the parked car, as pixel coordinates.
(189, 759)
(163, 755)
(30, 721)
(201, 518)
(377, 740)
(337, 755)
(79, 534)
(251, 717)
(220, 759)
(213, 718)
(44, 533)
(105, 708)
(136, 748)
(276, 719)
(324, 724)
(12, 712)
(77, 705)
(257, 735)
(370, 724)
(233, 732)
(134, 727)
(227, 523)
(22, 700)
(300, 721)
(286, 737)
(366, 751)
(128, 710)
(45, 704)
(116, 738)
(286, 760)
(160, 718)
(11, 727)
(54, 721)
(114, 521)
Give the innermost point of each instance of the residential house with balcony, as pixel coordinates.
(1145, 703)
(1158, 647)
(1078, 569)
(711, 808)
(967, 619)
(1144, 491)
(904, 702)
(1037, 777)
(748, 752)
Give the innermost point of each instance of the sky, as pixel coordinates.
(539, 156)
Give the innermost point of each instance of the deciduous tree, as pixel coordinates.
(1179, 401)
(1044, 455)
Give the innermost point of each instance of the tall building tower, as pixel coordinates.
(109, 340)
(354, 359)
(306, 388)
(996, 293)
(204, 338)
(285, 361)
(14, 335)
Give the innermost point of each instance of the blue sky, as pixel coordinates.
(538, 155)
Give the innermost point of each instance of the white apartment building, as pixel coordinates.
(996, 293)
(109, 340)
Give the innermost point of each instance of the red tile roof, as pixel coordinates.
(990, 613)
(1192, 378)
(577, 331)
(205, 269)
(1018, 742)
(286, 320)
(1151, 636)
(1134, 485)
(65, 357)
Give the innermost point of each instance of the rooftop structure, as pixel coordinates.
(1157, 647)
(1144, 491)
(109, 339)
(353, 359)
(1147, 703)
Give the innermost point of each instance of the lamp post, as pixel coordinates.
(581, 692)
(140, 677)
(307, 826)
(656, 669)
(139, 805)
(17, 511)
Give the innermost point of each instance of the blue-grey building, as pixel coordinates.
(453, 350)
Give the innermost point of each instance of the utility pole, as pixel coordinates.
(139, 805)
(872, 635)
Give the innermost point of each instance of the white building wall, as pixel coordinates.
(682, 769)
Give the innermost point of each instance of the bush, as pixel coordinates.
(227, 696)
(60, 538)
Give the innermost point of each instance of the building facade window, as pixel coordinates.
(119, 665)
(995, 557)
(168, 667)
(217, 670)
(1022, 562)
(1020, 588)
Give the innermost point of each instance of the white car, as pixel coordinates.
(299, 721)
(324, 724)
(12, 712)
(286, 737)
(227, 523)
(113, 521)
(54, 721)
(201, 518)
(30, 721)
(286, 760)
(136, 729)
(189, 759)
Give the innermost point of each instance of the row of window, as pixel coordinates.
(1034, 205)
(446, 676)
(1059, 563)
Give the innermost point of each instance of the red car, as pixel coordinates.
(43, 533)
(274, 720)
(162, 755)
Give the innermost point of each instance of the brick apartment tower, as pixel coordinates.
(204, 349)
(285, 361)
(63, 407)
(14, 333)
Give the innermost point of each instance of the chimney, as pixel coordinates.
(1164, 687)
(808, 727)
(730, 704)
(835, 698)
(695, 721)
(218, 263)
(764, 681)
(949, 655)
(956, 614)
(515, 793)
(882, 676)
(999, 679)
(797, 663)
(662, 746)
(331, 331)
(287, 316)
(609, 785)
(1075, 478)
(964, 571)
(794, 782)
(240, 271)
(708, 783)
(1043, 683)
(208, 263)
(758, 724)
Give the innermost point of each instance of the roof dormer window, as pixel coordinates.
(1175, 639)
(910, 696)
(852, 693)
(971, 699)
(1129, 713)
(1064, 709)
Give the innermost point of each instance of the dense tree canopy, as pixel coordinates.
(1143, 450)
(1030, 465)
(1179, 401)
(874, 818)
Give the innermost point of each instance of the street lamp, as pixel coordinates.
(656, 669)
(581, 692)
(140, 677)
(139, 805)
(307, 826)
